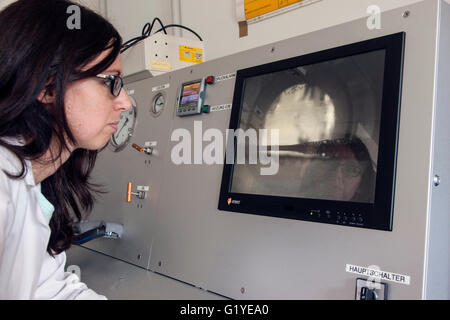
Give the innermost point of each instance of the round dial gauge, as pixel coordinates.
(158, 104)
(125, 130)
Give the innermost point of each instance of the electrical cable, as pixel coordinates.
(90, 235)
(183, 27)
(147, 30)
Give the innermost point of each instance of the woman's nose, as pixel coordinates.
(123, 101)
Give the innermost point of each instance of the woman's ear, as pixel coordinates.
(46, 96)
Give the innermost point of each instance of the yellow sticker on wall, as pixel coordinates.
(190, 54)
(254, 8)
(161, 65)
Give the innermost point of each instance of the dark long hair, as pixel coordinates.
(40, 51)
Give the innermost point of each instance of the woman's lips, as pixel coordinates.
(115, 126)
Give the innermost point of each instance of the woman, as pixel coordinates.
(60, 101)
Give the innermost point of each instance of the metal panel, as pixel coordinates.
(115, 170)
(438, 267)
(118, 280)
(242, 256)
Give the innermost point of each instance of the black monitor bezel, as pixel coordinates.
(378, 215)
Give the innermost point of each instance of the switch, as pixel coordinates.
(206, 109)
(146, 150)
(210, 80)
(140, 194)
(368, 294)
(370, 290)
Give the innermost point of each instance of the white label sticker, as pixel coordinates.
(226, 77)
(221, 107)
(162, 87)
(378, 274)
(130, 92)
(143, 188)
(151, 143)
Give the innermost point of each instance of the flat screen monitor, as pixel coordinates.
(315, 136)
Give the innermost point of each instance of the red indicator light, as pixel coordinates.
(210, 80)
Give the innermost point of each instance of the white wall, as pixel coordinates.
(93, 4)
(129, 17)
(215, 21)
(4, 3)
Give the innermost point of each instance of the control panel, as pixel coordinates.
(191, 97)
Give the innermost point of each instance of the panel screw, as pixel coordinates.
(406, 14)
(272, 50)
(159, 264)
(242, 290)
(139, 257)
(436, 180)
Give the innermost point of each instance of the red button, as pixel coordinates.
(210, 80)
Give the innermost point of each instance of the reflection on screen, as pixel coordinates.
(328, 117)
(190, 95)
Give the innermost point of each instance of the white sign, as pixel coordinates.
(221, 107)
(162, 87)
(226, 77)
(151, 143)
(378, 274)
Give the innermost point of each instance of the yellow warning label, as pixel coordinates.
(190, 54)
(161, 65)
(255, 8)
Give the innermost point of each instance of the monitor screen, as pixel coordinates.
(315, 136)
(328, 118)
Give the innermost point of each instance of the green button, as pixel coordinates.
(206, 109)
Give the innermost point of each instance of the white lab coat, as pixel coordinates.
(27, 271)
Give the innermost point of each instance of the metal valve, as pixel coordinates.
(139, 194)
(146, 150)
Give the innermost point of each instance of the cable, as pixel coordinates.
(183, 27)
(90, 235)
(147, 30)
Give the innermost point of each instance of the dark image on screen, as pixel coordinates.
(328, 117)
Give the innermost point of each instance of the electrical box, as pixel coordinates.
(161, 53)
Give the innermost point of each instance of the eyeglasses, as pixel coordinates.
(115, 83)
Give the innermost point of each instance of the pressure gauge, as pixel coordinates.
(158, 104)
(126, 127)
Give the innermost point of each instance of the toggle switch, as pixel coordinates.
(370, 290)
(368, 294)
(140, 194)
(146, 150)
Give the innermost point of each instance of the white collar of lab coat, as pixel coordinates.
(29, 177)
